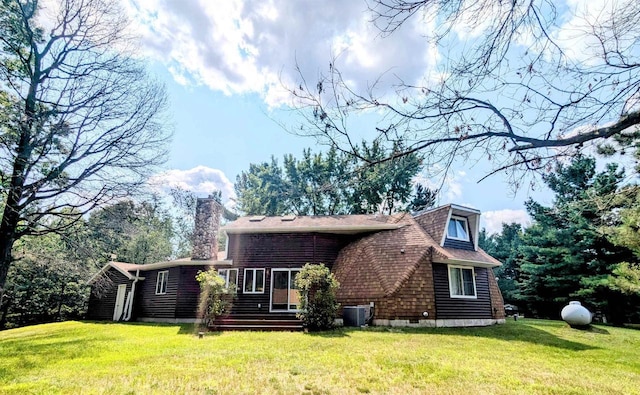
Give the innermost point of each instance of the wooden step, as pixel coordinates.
(257, 324)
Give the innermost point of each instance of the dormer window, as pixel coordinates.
(458, 229)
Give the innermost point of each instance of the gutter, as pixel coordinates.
(129, 304)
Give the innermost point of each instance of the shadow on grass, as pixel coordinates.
(632, 326)
(338, 332)
(530, 332)
(183, 329)
(525, 332)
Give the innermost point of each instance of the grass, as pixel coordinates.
(527, 356)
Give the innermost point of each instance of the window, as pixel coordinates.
(462, 282)
(253, 281)
(161, 282)
(458, 229)
(230, 277)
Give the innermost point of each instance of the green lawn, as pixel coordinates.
(527, 356)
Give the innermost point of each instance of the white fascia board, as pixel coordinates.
(317, 229)
(168, 264)
(466, 209)
(104, 269)
(446, 228)
(460, 262)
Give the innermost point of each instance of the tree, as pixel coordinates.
(423, 198)
(516, 83)
(566, 253)
(318, 304)
(134, 232)
(47, 282)
(81, 122)
(505, 246)
(625, 277)
(215, 296)
(327, 184)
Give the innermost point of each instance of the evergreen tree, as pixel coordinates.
(565, 252)
(504, 246)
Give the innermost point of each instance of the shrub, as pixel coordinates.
(318, 306)
(215, 297)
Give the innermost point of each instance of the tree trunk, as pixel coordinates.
(60, 300)
(4, 311)
(6, 244)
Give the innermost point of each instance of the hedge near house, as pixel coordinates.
(318, 305)
(215, 296)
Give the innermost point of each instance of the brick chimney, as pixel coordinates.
(205, 233)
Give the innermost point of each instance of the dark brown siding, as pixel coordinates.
(150, 305)
(461, 308)
(188, 292)
(101, 306)
(277, 250)
(459, 244)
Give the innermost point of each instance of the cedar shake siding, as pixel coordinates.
(390, 268)
(276, 250)
(413, 298)
(497, 303)
(462, 308)
(434, 222)
(101, 306)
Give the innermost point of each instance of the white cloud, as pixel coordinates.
(492, 220)
(592, 24)
(450, 188)
(201, 180)
(250, 46)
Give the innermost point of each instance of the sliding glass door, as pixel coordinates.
(284, 295)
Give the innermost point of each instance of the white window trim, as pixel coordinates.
(163, 277)
(244, 281)
(226, 280)
(473, 276)
(466, 226)
(288, 310)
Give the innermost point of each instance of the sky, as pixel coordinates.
(224, 64)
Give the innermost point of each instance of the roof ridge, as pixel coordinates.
(435, 245)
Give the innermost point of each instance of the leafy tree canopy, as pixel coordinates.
(329, 184)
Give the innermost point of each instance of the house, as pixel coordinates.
(422, 270)
(163, 291)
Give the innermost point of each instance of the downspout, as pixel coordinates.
(129, 307)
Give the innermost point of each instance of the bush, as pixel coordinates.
(215, 297)
(318, 306)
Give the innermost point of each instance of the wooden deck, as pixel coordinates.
(257, 322)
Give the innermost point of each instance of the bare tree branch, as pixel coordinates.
(82, 124)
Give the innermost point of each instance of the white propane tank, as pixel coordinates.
(575, 314)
